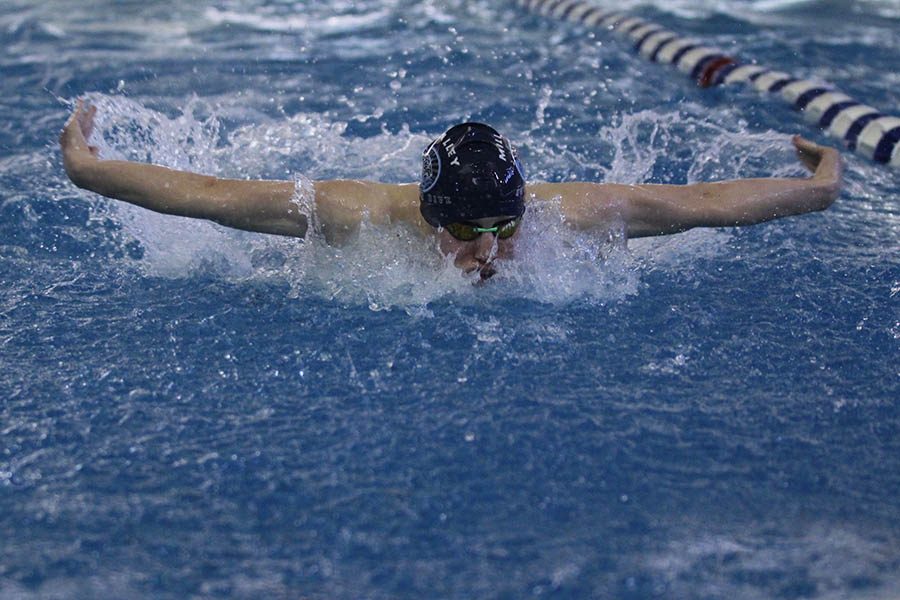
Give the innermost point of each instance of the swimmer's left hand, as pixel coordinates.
(824, 162)
(812, 154)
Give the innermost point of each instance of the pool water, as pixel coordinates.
(192, 412)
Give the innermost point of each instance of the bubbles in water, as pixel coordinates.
(125, 129)
(826, 560)
(382, 267)
(395, 267)
(386, 267)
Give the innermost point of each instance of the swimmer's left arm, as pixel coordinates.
(650, 210)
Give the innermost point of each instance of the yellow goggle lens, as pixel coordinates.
(466, 232)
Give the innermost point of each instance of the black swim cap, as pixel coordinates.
(469, 173)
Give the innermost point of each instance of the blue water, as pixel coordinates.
(192, 412)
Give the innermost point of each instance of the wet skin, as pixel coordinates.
(479, 254)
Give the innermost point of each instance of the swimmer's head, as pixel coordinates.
(470, 173)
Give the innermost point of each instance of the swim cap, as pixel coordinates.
(469, 173)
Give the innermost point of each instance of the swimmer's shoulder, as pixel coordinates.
(584, 203)
(575, 191)
(359, 194)
(403, 199)
(379, 202)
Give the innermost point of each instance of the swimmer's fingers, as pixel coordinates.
(78, 129)
(824, 161)
(72, 135)
(809, 153)
(86, 121)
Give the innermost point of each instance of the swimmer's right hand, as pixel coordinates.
(73, 141)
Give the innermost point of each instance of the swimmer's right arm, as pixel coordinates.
(261, 206)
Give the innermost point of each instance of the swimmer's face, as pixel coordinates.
(477, 255)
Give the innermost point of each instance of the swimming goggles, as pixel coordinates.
(466, 232)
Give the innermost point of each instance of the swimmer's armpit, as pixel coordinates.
(342, 204)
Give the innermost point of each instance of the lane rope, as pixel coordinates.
(864, 129)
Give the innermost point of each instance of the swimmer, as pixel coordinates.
(471, 197)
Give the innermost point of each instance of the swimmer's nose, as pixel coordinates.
(484, 248)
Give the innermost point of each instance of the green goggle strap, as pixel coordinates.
(505, 230)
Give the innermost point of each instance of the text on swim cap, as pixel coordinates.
(451, 152)
(501, 147)
(437, 199)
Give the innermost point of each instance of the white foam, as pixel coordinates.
(321, 148)
(383, 267)
(828, 556)
(325, 24)
(389, 267)
(394, 266)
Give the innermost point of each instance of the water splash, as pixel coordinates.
(389, 267)
(386, 267)
(822, 561)
(382, 267)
